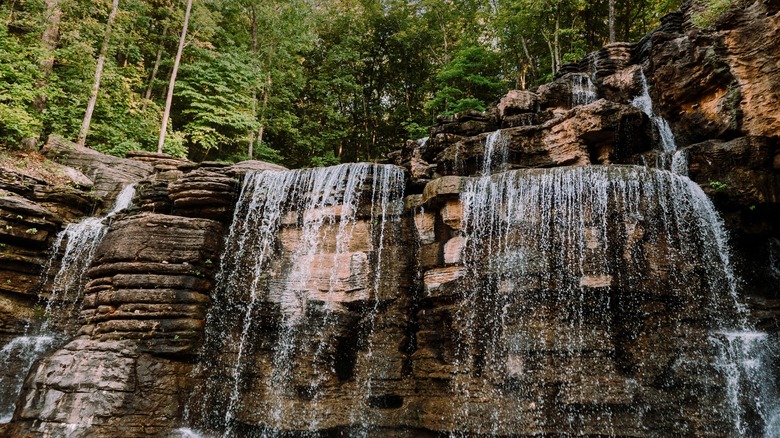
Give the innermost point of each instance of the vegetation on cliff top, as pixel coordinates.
(300, 82)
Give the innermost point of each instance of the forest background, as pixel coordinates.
(297, 82)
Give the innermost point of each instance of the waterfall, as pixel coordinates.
(750, 389)
(71, 255)
(495, 149)
(557, 261)
(74, 248)
(24, 350)
(123, 200)
(301, 263)
(583, 91)
(671, 158)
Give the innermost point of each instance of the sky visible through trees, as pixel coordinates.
(298, 82)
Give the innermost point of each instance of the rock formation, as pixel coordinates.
(545, 274)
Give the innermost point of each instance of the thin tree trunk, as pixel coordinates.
(98, 74)
(49, 40)
(10, 18)
(557, 44)
(261, 129)
(443, 27)
(250, 150)
(531, 65)
(611, 21)
(148, 94)
(552, 52)
(169, 98)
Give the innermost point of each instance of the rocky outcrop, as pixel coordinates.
(33, 210)
(144, 307)
(588, 306)
(108, 173)
(601, 132)
(143, 312)
(205, 194)
(93, 388)
(150, 280)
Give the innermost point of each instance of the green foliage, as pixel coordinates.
(717, 185)
(217, 103)
(711, 11)
(414, 130)
(323, 82)
(470, 81)
(18, 91)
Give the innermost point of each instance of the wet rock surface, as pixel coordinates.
(416, 351)
(150, 280)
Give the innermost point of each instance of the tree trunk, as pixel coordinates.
(557, 44)
(10, 18)
(531, 65)
(98, 74)
(169, 98)
(250, 150)
(552, 52)
(49, 40)
(261, 129)
(611, 21)
(148, 94)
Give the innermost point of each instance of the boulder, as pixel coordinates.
(109, 174)
(518, 102)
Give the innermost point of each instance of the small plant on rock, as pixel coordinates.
(717, 185)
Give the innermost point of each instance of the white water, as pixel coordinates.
(495, 153)
(583, 91)
(550, 227)
(645, 104)
(73, 250)
(77, 244)
(123, 200)
(750, 388)
(23, 351)
(304, 281)
(186, 432)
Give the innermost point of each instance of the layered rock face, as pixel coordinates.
(546, 273)
(579, 298)
(141, 303)
(308, 327)
(146, 301)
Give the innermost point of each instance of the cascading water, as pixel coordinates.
(671, 158)
(644, 103)
(750, 389)
(583, 91)
(300, 266)
(23, 350)
(75, 247)
(557, 263)
(72, 252)
(495, 153)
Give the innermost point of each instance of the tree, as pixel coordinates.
(82, 138)
(216, 91)
(169, 98)
(470, 81)
(611, 21)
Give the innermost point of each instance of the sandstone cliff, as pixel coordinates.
(392, 320)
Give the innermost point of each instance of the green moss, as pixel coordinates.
(713, 10)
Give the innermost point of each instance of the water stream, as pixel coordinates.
(301, 263)
(583, 90)
(552, 259)
(71, 255)
(670, 158)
